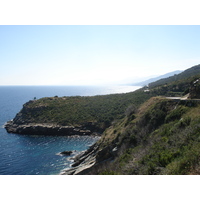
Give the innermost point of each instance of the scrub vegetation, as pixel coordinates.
(164, 139)
(100, 110)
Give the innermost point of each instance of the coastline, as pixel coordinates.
(47, 129)
(82, 161)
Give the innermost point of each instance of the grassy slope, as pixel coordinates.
(162, 137)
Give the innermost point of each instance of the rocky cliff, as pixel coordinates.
(73, 115)
(46, 129)
(32, 121)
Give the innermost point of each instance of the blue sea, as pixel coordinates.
(39, 155)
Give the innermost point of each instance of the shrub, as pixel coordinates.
(175, 114)
(130, 110)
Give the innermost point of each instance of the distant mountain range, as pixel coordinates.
(193, 71)
(146, 82)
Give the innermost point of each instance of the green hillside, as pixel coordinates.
(178, 85)
(193, 71)
(162, 137)
(99, 110)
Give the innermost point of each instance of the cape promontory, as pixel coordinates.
(72, 115)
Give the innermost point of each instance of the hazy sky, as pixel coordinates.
(91, 55)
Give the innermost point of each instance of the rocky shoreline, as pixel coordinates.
(82, 162)
(46, 129)
(31, 120)
(90, 161)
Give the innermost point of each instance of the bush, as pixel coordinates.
(130, 110)
(175, 114)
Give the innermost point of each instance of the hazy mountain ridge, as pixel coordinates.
(146, 82)
(193, 71)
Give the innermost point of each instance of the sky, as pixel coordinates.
(94, 54)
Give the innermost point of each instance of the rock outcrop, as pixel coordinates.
(90, 161)
(28, 122)
(45, 129)
(195, 90)
(82, 162)
(66, 153)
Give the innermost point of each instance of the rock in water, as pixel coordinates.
(67, 153)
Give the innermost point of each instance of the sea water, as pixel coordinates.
(31, 155)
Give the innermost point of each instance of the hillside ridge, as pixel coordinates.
(167, 75)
